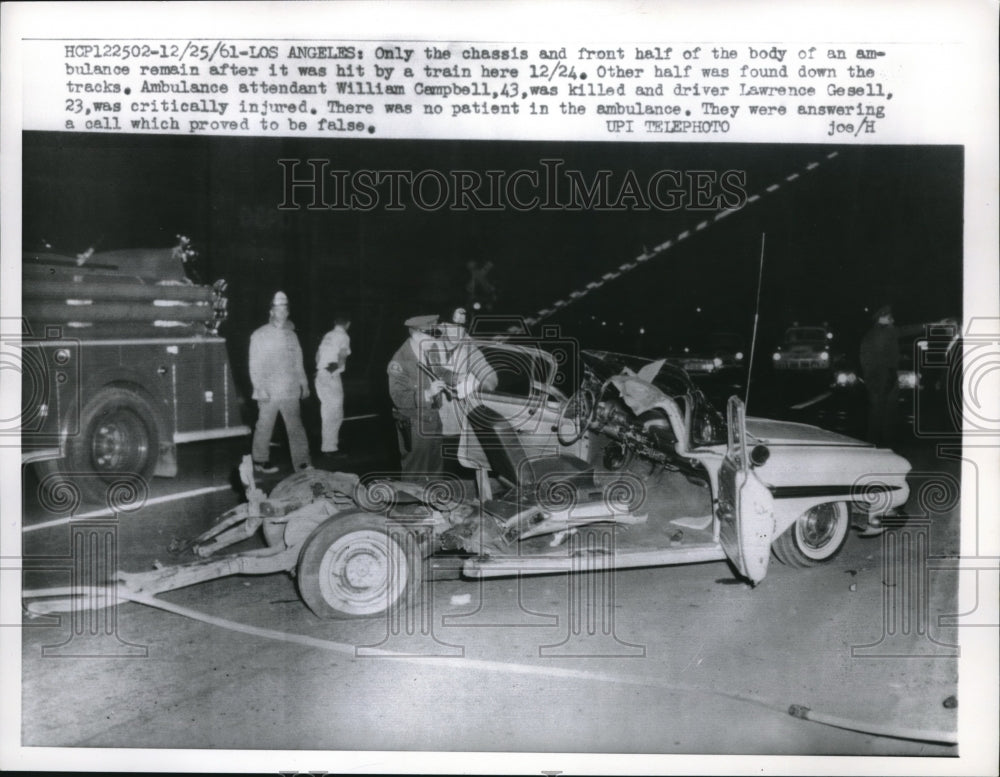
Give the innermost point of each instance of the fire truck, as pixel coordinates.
(121, 362)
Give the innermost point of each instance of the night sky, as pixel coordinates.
(876, 224)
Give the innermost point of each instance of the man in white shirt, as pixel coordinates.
(331, 361)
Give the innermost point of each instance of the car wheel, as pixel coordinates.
(816, 536)
(117, 436)
(358, 565)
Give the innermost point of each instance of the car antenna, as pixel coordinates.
(756, 319)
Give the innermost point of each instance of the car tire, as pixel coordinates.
(117, 437)
(817, 536)
(359, 565)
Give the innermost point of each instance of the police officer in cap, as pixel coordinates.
(467, 372)
(415, 393)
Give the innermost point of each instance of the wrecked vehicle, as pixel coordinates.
(814, 483)
(636, 469)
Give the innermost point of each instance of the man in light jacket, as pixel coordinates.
(279, 384)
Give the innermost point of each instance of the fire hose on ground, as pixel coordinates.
(114, 595)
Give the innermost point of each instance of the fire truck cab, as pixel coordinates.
(122, 361)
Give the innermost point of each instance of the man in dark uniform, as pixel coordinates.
(879, 364)
(414, 393)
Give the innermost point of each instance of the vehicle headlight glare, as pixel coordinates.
(739, 356)
(776, 356)
(824, 356)
(717, 361)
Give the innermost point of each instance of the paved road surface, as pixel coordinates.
(671, 660)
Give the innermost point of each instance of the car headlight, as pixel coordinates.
(739, 356)
(846, 379)
(717, 361)
(776, 356)
(824, 356)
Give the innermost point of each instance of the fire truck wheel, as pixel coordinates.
(359, 565)
(118, 436)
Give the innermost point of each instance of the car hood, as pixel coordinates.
(772, 432)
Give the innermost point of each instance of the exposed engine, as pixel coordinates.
(648, 436)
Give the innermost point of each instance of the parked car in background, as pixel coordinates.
(715, 353)
(806, 348)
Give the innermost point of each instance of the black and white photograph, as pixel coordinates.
(456, 446)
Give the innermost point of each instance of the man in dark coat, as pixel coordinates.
(414, 393)
(879, 364)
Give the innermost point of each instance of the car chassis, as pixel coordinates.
(360, 548)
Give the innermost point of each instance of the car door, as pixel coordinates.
(523, 393)
(745, 506)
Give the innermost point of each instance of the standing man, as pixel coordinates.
(879, 365)
(331, 361)
(279, 384)
(415, 395)
(466, 372)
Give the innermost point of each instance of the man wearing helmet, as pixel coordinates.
(279, 384)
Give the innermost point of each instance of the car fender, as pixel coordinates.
(801, 477)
